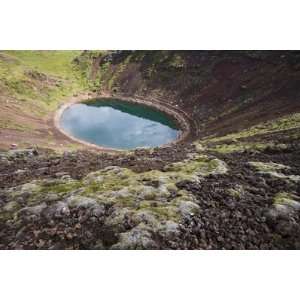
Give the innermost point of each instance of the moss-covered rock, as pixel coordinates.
(273, 169)
(284, 206)
(268, 167)
(193, 169)
(288, 200)
(237, 191)
(139, 237)
(136, 207)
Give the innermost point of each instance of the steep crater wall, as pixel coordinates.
(219, 91)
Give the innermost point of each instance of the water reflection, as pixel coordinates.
(118, 124)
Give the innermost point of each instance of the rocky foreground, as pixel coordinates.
(206, 200)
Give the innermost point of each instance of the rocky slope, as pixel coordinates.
(234, 184)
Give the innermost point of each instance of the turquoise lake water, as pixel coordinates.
(118, 124)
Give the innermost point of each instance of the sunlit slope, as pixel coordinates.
(32, 85)
(41, 78)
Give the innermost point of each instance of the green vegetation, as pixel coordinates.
(85, 66)
(117, 73)
(32, 86)
(237, 147)
(40, 78)
(137, 192)
(268, 167)
(284, 123)
(287, 199)
(239, 141)
(177, 61)
(200, 165)
(273, 169)
(55, 63)
(282, 198)
(60, 187)
(236, 192)
(9, 124)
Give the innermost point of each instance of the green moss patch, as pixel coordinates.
(287, 199)
(153, 192)
(284, 123)
(273, 170)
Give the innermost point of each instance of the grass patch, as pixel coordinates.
(40, 78)
(285, 123)
(55, 63)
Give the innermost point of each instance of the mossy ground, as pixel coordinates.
(286, 203)
(154, 192)
(291, 121)
(274, 170)
(253, 139)
(284, 198)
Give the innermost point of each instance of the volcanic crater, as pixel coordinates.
(231, 181)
